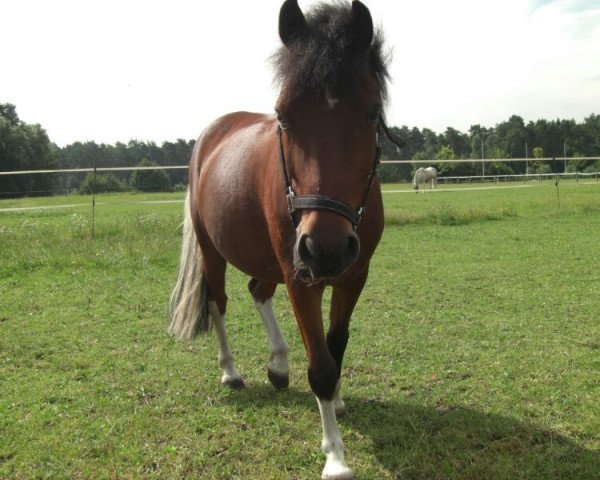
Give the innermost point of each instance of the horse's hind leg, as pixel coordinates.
(214, 273)
(278, 367)
(230, 375)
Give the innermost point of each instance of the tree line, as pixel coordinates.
(510, 139)
(28, 147)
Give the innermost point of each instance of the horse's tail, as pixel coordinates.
(189, 299)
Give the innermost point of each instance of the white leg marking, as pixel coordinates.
(278, 362)
(338, 402)
(332, 445)
(230, 373)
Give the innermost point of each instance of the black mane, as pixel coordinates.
(325, 60)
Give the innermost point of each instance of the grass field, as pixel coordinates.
(474, 352)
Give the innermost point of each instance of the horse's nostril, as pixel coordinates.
(306, 249)
(353, 248)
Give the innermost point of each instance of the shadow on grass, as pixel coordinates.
(415, 442)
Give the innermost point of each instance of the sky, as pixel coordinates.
(115, 70)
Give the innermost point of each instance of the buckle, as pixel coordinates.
(290, 200)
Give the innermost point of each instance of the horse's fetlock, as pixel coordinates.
(323, 377)
(281, 350)
(329, 446)
(279, 363)
(225, 360)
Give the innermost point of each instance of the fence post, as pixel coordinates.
(94, 204)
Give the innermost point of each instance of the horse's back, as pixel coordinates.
(228, 148)
(230, 131)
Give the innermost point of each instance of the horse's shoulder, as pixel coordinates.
(239, 120)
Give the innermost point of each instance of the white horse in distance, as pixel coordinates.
(425, 175)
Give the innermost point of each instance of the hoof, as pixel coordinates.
(277, 380)
(235, 383)
(337, 472)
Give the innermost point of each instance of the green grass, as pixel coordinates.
(474, 351)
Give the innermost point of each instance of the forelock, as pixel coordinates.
(325, 60)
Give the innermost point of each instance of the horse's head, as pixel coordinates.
(333, 76)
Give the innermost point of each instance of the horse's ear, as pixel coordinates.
(363, 24)
(292, 23)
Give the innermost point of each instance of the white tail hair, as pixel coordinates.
(189, 299)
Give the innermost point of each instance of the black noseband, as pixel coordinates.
(321, 202)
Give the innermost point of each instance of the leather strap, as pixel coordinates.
(321, 202)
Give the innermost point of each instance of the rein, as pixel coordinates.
(321, 202)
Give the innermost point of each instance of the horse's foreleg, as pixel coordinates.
(278, 367)
(343, 301)
(323, 375)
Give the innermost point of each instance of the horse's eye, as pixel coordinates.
(373, 117)
(282, 123)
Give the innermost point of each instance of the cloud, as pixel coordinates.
(575, 6)
(111, 70)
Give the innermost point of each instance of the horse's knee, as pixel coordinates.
(323, 376)
(337, 339)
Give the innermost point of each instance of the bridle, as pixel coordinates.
(321, 202)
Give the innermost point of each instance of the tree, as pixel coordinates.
(511, 137)
(538, 153)
(9, 112)
(448, 169)
(457, 141)
(25, 147)
(178, 153)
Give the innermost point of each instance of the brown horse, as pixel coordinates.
(293, 198)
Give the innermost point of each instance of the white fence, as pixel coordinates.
(526, 177)
(494, 160)
(97, 169)
(483, 178)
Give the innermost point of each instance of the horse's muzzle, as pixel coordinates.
(322, 259)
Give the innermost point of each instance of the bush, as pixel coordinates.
(593, 168)
(544, 168)
(150, 180)
(498, 168)
(104, 183)
(390, 173)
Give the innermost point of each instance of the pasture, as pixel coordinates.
(474, 351)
